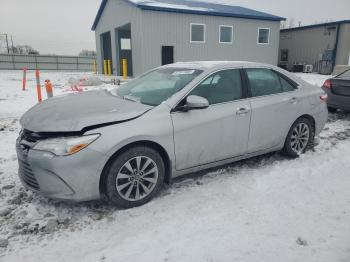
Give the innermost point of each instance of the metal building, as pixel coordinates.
(324, 46)
(150, 33)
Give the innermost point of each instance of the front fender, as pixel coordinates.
(155, 127)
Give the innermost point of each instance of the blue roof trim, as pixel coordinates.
(211, 13)
(99, 14)
(191, 5)
(316, 25)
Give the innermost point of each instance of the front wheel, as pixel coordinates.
(300, 136)
(135, 177)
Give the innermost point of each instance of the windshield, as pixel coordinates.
(344, 74)
(157, 86)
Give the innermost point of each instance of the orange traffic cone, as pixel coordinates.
(49, 89)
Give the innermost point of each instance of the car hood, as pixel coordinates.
(74, 112)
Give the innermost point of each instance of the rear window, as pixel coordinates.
(344, 74)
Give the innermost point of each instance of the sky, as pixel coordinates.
(63, 27)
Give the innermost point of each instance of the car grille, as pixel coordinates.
(26, 174)
(26, 141)
(30, 137)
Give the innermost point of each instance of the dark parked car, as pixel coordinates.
(338, 90)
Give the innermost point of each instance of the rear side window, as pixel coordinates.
(264, 82)
(286, 86)
(221, 87)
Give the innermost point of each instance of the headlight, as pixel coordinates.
(63, 146)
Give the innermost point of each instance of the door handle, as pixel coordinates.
(242, 111)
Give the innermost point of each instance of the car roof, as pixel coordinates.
(207, 65)
(211, 66)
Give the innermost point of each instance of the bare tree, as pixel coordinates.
(24, 50)
(291, 22)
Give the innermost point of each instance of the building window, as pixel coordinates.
(226, 34)
(263, 36)
(197, 33)
(284, 55)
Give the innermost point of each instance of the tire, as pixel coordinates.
(297, 142)
(332, 110)
(126, 189)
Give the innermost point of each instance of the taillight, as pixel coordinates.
(324, 97)
(328, 84)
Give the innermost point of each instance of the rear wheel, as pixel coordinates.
(135, 177)
(332, 110)
(300, 136)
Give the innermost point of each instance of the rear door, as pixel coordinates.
(218, 132)
(274, 102)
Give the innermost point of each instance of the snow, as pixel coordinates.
(268, 208)
(171, 5)
(175, 6)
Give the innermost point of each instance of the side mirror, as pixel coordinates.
(196, 102)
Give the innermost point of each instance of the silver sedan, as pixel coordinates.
(123, 144)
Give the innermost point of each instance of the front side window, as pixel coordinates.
(221, 87)
(264, 82)
(263, 36)
(197, 33)
(156, 86)
(226, 34)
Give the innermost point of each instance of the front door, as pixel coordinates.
(218, 132)
(275, 103)
(167, 55)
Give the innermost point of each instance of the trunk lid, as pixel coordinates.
(341, 86)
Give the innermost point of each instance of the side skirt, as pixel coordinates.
(177, 173)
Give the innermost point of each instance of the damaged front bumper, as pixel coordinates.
(75, 177)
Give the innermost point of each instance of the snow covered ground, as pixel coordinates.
(268, 208)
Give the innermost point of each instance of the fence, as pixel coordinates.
(46, 62)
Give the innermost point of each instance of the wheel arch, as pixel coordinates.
(307, 116)
(160, 149)
(311, 119)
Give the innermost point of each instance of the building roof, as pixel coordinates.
(194, 7)
(316, 25)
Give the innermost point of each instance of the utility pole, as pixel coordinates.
(12, 48)
(7, 44)
(8, 48)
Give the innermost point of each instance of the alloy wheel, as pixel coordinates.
(137, 178)
(300, 138)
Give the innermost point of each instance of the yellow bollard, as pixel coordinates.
(125, 68)
(109, 68)
(105, 67)
(94, 67)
